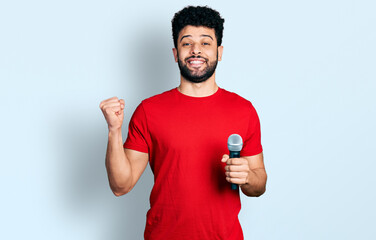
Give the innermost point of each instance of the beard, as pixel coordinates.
(197, 76)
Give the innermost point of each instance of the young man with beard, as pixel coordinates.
(183, 134)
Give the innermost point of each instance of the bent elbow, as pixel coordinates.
(118, 194)
(255, 193)
(260, 193)
(120, 191)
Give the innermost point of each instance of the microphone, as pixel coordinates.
(235, 145)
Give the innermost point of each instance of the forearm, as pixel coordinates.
(256, 183)
(118, 166)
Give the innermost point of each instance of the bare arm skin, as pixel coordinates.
(249, 172)
(124, 166)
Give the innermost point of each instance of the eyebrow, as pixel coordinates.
(202, 35)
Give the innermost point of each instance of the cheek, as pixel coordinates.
(182, 53)
(212, 53)
(181, 56)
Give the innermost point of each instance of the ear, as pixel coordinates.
(175, 52)
(220, 52)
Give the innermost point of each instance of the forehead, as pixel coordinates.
(197, 31)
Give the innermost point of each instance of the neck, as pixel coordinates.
(203, 89)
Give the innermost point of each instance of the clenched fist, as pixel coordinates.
(113, 111)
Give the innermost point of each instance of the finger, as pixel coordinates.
(236, 174)
(110, 100)
(111, 105)
(239, 181)
(237, 168)
(119, 113)
(114, 109)
(113, 99)
(122, 103)
(237, 161)
(225, 158)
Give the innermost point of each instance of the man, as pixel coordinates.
(183, 134)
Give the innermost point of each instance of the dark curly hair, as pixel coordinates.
(197, 16)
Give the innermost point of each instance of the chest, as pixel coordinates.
(199, 126)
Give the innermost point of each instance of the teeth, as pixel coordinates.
(196, 62)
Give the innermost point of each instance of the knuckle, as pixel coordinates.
(107, 110)
(102, 104)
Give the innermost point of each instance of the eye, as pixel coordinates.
(186, 44)
(205, 43)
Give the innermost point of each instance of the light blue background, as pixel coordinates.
(307, 66)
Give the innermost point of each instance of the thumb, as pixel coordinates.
(120, 113)
(122, 104)
(225, 158)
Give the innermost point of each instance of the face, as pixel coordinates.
(197, 53)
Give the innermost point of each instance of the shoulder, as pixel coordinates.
(239, 104)
(236, 99)
(158, 99)
(161, 96)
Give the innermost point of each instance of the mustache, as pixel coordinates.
(198, 56)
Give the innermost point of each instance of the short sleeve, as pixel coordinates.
(137, 131)
(252, 142)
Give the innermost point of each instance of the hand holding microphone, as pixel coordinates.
(237, 168)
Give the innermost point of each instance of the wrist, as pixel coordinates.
(114, 133)
(248, 179)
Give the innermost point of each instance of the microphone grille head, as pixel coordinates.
(235, 143)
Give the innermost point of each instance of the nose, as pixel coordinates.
(196, 49)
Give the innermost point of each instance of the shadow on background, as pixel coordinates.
(86, 196)
(154, 68)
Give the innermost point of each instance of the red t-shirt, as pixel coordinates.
(186, 138)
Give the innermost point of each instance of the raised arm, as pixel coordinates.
(124, 166)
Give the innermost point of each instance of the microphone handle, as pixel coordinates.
(234, 154)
